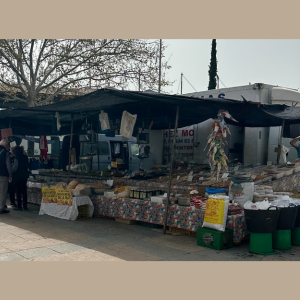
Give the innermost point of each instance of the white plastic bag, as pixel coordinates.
(241, 191)
(127, 124)
(216, 213)
(103, 118)
(263, 205)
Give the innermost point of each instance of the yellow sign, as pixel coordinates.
(214, 213)
(49, 194)
(114, 164)
(64, 197)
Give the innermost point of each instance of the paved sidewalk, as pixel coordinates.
(24, 235)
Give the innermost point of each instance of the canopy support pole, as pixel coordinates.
(280, 141)
(70, 150)
(98, 145)
(171, 168)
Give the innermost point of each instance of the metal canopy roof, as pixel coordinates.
(159, 108)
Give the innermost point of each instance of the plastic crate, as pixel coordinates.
(214, 239)
(83, 212)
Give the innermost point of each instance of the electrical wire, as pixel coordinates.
(189, 83)
(222, 82)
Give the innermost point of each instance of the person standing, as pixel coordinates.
(5, 174)
(148, 160)
(11, 186)
(21, 175)
(296, 144)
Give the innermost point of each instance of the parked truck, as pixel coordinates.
(250, 146)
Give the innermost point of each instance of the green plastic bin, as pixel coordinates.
(261, 243)
(282, 239)
(296, 236)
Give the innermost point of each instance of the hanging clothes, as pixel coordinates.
(43, 146)
(117, 148)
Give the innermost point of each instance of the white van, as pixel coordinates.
(110, 149)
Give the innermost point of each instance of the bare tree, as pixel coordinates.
(36, 71)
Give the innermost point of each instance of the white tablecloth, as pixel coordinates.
(66, 211)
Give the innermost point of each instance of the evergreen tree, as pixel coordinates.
(212, 72)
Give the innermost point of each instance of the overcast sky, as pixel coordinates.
(240, 61)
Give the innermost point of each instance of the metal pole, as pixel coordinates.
(98, 144)
(70, 150)
(159, 79)
(170, 174)
(280, 142)
(181, 82)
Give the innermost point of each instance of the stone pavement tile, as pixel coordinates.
(92, 255)
(91, 243)
(66, 248)
(30, 236)
(4, 250)
(188, 245)
(36, 252)
(159, 250)
(273, 258)
(6, 238)
(30, 244)
(11, 257)
(127, 253)
(58, 257)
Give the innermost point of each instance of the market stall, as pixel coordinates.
(176, 195)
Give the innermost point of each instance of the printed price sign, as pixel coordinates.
(64, 197)
(225, 175)
(49, 195)
(190, 178)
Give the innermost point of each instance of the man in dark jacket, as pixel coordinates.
(5, 174)
(20, 176)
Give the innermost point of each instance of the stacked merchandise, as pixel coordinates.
(234, 209)
(198, 202)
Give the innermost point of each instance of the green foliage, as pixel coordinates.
(212, 72)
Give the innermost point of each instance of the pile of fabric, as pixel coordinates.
(199, 202)
(234, 209)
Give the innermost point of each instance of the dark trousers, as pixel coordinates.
(21, 186)
(12, 192)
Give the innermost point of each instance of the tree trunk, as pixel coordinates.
(31, 101)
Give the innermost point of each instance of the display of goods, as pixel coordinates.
(241, 190)
(100, 185)
(216, 213)
(61, 185)
(259, 177)
(216, 154)
(234, 208)
(199, 202)
(122, 189)
(217, 183)
(72, 185)
(80, 187)
(161, 180)
(39, 181)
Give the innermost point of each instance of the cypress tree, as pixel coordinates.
(212, 72)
